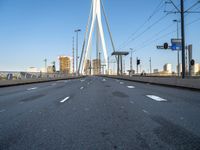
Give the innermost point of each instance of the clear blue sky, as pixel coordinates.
(31, 30)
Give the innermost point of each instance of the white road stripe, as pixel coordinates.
(64, 100)
(34, 88)
(157, 98)
(130, 87)
(121, 82)
(53, 84)
(145, 111)
(2, 110)
(104, 80)
(82, 88)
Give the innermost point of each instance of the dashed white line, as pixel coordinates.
(145, 111)
(130, 87)
(64, 100)
(53, 84)
(3, 110)
(121, 82)
(34, 88)
(82, 80)
(81, 88)
(157, 98)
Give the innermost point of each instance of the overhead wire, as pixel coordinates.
(141, 26)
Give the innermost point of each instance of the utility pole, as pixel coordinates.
(73, 54)
(183, 37)
(131, 61)
(45, 64)
(77, 57)
(100, 63)
(137, 64)
(150, 66)
(178, 51)
(108, 66)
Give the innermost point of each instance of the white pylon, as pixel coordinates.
(96, 21)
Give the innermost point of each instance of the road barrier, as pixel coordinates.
(193, 83)
(21, 78)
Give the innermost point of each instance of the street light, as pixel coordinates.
(131, 61)
(77, 31)
(178, 21)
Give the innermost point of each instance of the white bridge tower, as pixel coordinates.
(95, 21)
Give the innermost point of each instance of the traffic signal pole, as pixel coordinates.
(183, 37)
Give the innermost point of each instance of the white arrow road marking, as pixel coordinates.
(157, 98)
(64, 100)
(34, 88)
(130, 87)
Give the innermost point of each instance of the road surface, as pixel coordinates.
(96, 113)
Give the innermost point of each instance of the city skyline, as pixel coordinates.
(35, 30)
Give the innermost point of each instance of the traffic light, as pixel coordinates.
(192, 62)
(138, 62)
(166, 45)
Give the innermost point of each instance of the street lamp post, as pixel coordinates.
(178, 51)
(131, 62)
(77, 57)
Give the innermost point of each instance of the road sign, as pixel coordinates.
(176, 44)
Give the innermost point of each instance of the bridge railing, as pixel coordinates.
(12, 75)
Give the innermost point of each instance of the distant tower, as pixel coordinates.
(95, 22)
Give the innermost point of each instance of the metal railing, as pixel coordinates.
(12, 75)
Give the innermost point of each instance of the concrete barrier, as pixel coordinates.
(7, 83)
(167, 81)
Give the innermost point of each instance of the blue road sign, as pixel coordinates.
(176, 44)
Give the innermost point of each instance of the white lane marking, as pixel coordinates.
(145, 111)
(82, 80)
(3, 110)
(64, 100)
(130, 87)
(157, 98)
(34, 88)
(81, 88)
(132, 102)
(121, 82)
(53, 84)
(104, 80)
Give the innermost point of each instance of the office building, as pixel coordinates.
(65, 64)
(87, 68)
(167, 68)
(96, 64)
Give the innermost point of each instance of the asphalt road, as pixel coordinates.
(97, 113)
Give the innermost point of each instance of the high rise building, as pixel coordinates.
(168, 68)
(87, 68)
(96, 64)
(65, 64)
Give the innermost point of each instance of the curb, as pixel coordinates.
(37, 82)
(160, 84)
